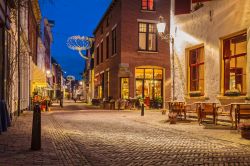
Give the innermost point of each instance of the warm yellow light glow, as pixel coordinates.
(161, 27)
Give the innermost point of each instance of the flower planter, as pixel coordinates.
(172, 118)
(163, 112)
(245, 134)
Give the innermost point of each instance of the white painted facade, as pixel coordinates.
(216, 19)
(41, 55)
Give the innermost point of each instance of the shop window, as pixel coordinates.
(147, 37)
(100, 92)
(196, 70)
(124, 88)
(139, 73)
(148, 5)
(234, 59)
(149, 82)
(158, 74)
(139, 88)
(149, 73)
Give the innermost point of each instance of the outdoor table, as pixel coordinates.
(201, 110)
(237, 111)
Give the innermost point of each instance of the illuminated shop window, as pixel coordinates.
(149, 82)
(124, 88)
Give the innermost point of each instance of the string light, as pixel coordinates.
(80, 43)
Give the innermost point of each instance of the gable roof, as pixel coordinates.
(112, 4)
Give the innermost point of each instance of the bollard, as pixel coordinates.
(47, 105)
(36, 129)
(142, 109)
(61, 103)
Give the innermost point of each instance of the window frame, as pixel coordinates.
(230, 57)
(197, 65)
(102, 52)
(97, 55)
(147, 37)
(154, 79)
(107, 47)
(114, 41)
(121, 87)
(147, 6)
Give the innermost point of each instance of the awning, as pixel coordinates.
(38, 77)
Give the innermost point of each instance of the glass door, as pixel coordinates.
(139, 88)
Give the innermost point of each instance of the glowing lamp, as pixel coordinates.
(161, 26)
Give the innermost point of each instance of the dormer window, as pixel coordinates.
(148, 5)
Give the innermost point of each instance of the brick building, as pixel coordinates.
(130, 59)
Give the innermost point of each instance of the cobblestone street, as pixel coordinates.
(78, 135)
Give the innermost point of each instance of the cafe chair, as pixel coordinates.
(242, 112)
(224, 111)
(191, 109)
(207, 110)
(178, 108)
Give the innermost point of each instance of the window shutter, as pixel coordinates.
(182, 7)
(226, 74)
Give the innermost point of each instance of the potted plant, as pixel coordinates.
(140, 101)
(195, 94)
(158, 102)
(247, 100)
(245, 130)
(232, 92)
(172, 117)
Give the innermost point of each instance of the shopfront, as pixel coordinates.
(149, 83)
(99, 86)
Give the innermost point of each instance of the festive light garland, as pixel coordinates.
(80, 43)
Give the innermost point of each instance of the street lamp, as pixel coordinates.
(161, 28)
(48, 72)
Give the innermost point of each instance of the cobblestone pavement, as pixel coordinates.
(96, 137)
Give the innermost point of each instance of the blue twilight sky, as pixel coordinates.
(72, 17)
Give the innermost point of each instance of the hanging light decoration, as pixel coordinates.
(80, 43)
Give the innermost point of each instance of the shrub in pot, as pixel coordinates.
(245, 130)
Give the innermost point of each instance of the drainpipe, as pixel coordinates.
(173, 66)
(18, 59)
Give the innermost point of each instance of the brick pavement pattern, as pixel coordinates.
(96, 137)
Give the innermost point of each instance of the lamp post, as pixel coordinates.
(161, 28)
